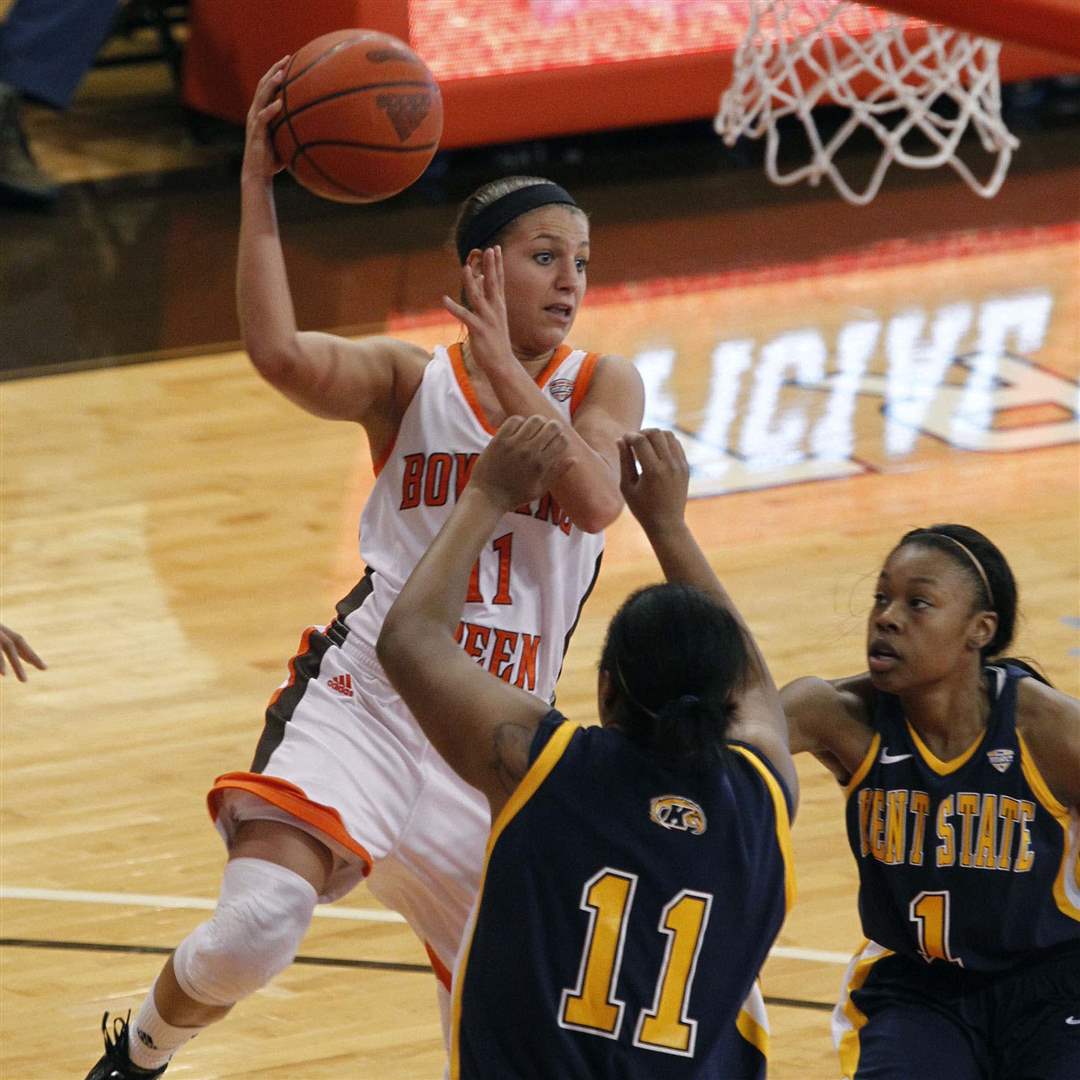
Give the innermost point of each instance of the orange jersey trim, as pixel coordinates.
(583, 381)
(305, 638)
(457, 362)
(557, 357)
(292, 800)
(384, 457)
(442, 972)
(377, 466)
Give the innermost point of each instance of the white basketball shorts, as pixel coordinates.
(342, 758)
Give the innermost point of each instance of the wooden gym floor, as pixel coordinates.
(169, 528)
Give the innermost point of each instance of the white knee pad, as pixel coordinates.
(262, 915)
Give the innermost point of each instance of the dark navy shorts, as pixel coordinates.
(940, 1022)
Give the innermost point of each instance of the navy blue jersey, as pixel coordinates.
(624, 913)
(970, 861)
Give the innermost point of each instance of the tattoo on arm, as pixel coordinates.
(510, 744)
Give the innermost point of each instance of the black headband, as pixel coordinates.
(497, 215)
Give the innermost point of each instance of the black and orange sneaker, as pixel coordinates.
(115, 1063)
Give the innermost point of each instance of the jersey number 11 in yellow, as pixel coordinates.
(592, 1006)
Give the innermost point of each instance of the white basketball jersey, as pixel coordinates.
(535, 572)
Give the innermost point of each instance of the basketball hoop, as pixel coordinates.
(890, 75)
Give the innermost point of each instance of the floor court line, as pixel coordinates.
(196, 903)
(161, 950)
(192, 903)
(316, 961)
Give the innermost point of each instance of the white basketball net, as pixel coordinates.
(798, 54)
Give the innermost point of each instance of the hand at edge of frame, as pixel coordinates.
(16, 648)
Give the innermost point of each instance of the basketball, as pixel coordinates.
(361, 116)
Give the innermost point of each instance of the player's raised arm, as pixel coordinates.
(829, 719)
(481, 725)
(614, 403)
(655, 483)
(333, 377)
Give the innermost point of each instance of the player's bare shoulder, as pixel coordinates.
(824, 702)
(613, 404)
(1049, 721)
(856, 695)
(617, 378)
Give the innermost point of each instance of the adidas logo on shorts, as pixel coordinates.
(341, 684)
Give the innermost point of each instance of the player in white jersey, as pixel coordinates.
(344, 786)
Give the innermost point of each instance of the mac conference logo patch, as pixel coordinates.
(561, 389)
(676, 812)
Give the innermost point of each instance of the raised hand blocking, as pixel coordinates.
(524, 459)
(654, 477)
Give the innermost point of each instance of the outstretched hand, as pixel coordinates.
(260, 161)
(484, 311)
(654, 477)
(524, 459)
(16, 648)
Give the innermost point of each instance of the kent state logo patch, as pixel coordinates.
(1000, 759)
(675, 812)
(561, 389)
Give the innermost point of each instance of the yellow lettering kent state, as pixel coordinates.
(976, 830)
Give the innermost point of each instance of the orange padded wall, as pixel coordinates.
(512, 70)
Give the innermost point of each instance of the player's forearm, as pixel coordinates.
(264, 303)
(588, 492)
(429, 606)
(682, 560)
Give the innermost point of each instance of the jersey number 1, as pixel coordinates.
(929, 911)
(592, 1006)
(504, 548)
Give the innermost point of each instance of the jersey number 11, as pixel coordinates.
(592, 1006)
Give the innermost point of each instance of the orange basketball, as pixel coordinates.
(361, 116)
